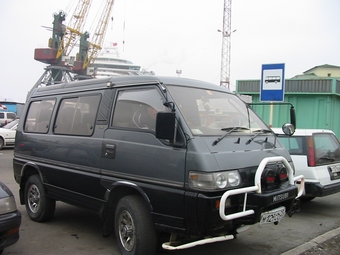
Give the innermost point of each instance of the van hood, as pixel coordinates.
(232, 152)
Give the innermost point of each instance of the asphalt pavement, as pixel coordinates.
(313, 231)
(326, 244)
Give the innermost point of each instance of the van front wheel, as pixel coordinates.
(39, 207)
(134, 227)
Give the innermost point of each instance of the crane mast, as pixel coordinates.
(226, 45)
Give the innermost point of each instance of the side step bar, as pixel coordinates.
(172, 244)
(169, 246)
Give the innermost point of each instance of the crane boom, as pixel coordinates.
(99, 34)
(75, 28)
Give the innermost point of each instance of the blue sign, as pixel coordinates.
(272, 82)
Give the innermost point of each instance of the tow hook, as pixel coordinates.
(295, 208)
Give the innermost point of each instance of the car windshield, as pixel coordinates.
(11, 124)
(210, 112)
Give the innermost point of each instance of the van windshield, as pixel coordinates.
(209, 112)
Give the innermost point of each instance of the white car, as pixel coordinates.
(7, 134)
(6, 117)
(316, 155)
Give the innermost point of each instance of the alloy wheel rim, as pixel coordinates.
(126, 230)
(34, 198)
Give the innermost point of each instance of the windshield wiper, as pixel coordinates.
(260, 131)
(229, 130)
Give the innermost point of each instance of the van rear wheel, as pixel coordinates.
(39, 207)
(134, 227)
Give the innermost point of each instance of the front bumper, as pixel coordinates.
(284, 195)
(9, 228)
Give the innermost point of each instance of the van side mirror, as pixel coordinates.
(288, 129)
(292, 116)
(165, 125)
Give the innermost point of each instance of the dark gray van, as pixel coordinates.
(164, 161)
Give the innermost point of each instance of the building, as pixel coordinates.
(7, 106)
(322, 71)
(315, 95)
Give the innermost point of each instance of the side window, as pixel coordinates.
(77, 115)
(293, 144)
(11, 115)
(39, 116)
(137, 108)
(2, 115)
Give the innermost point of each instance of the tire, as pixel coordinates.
(1, 146)
(134, 228)
(39, 207)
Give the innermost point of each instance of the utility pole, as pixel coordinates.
(226, 44)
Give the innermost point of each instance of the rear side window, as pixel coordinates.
(293, 144)
(39, 116)
(77, 115)
(2, 115)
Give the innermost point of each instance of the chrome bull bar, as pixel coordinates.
(257, 188)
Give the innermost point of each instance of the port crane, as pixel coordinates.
(62, 66)
(61, 44)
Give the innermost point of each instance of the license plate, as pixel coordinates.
(274, 215)
(334, 171)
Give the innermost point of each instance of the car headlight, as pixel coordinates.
(214, 181)
(7, 205)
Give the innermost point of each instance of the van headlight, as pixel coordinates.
(214, 181)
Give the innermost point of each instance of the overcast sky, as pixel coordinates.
(166, 35)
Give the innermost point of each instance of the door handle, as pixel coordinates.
(109, 150)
